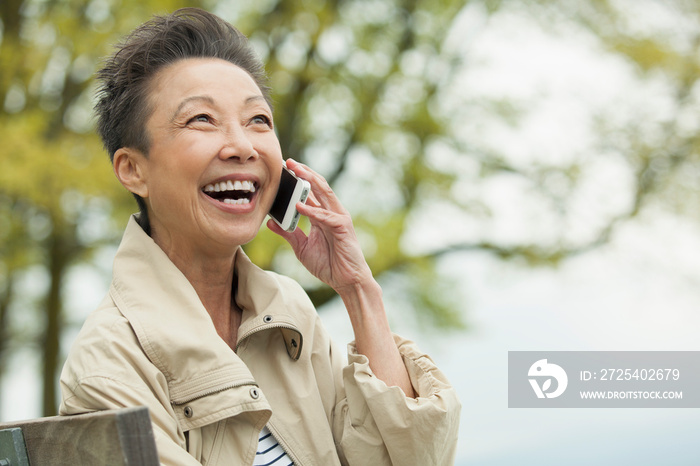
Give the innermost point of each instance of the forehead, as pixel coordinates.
(192, 76)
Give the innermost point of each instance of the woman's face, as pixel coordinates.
(214, 162)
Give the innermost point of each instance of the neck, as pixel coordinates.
(212, 277)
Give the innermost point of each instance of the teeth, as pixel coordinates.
(244, 200)
(229, 185)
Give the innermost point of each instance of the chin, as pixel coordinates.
(242, 234)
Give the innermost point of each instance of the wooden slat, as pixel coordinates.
(12, 449)
(110, 438)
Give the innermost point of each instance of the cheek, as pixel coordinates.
(273, 159)
(173, 181)
(275, 155)
(275, 167)
(183, 160)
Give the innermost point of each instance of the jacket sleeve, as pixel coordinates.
(376, 424)
(98, 393)
(101, 373)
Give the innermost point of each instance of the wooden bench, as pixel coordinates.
(109, 438)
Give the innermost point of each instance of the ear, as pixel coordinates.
(130, 166)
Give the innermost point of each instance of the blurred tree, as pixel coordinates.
(661, 144)
(642, 144)
(366, 92)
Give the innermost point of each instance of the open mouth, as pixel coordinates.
(231, 192)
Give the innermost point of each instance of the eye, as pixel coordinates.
(261, 120)
(202, 118)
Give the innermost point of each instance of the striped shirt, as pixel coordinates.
(270, 452)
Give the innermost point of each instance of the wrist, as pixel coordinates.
(360, 289)
(365, 306)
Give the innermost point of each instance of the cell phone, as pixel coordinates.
(292, 190)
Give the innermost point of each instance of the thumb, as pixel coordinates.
(295, 238)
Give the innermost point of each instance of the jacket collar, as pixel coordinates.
(266, 304)
(174, 328)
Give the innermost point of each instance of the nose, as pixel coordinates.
(238, 146)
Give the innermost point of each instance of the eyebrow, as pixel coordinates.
(204, 98)
(254, 98)
(210, 101)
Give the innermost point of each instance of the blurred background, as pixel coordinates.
(523, 175)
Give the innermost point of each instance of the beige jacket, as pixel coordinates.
(152, 343)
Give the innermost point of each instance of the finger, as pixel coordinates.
(324, 218)
(311, 200)
(320, 188)
(296, 238)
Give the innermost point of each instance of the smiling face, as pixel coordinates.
(214, 162)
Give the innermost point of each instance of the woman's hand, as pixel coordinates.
(331, 251)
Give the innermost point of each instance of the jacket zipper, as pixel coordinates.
(283, 444)
(271, 426)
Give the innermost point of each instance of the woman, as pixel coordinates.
(228, 357)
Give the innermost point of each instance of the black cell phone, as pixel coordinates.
(292, 190)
